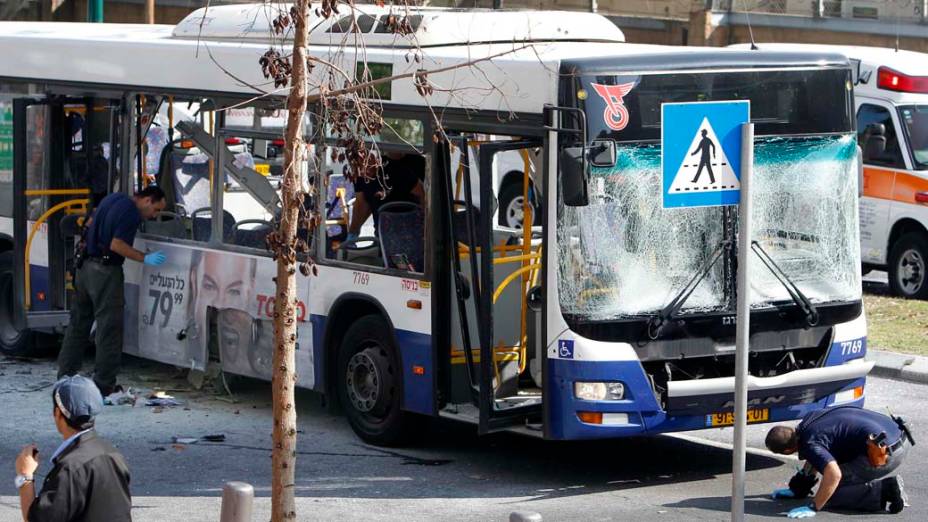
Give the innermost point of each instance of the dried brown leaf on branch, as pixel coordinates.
(280, 23)
(275, 66)
(327, 8)
(421, 81)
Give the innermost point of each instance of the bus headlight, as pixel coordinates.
(599, 391)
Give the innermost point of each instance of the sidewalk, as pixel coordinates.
(900, 366)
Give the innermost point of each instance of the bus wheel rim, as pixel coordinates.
(911, 271)
(514, 213)
(365, 380)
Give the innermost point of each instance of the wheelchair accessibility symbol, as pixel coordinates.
(565, 349)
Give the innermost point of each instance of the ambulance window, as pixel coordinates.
(868, 117)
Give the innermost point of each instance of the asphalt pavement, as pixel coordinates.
(452, 474)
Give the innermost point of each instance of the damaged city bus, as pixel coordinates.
(530, 280)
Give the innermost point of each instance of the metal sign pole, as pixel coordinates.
(743, 319)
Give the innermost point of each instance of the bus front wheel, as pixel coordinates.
(13, 341)
(370, 383)
(908, 266)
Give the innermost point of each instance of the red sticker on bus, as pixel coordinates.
(616, 113)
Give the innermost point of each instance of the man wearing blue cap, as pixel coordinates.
(89, 480)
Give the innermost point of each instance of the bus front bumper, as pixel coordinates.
(689, 405)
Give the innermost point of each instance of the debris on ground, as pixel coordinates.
(121, 397)
(218, 437)
(163, 402)
(159, 448)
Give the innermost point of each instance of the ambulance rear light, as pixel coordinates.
(892, 80)
(921, 197)
(233, 141)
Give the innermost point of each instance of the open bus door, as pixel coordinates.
(490, 314)
(64, 160)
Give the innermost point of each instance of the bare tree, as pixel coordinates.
(284, 245)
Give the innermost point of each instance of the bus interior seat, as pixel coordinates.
(251, 233)
(402, 235)
(364, 250)
(166, 224)
(202, 224)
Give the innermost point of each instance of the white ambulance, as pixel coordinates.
(891, 98)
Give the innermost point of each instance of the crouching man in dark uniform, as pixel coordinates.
(98, 284)
(89, 480)
(855, 450)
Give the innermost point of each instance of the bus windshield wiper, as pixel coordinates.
(657, 321)
(794, 292)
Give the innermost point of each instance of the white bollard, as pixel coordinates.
(237, 501)
(524, 516)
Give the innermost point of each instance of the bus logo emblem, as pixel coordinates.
(565, 349)
(616, 113)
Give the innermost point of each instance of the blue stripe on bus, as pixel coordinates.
(645, 415)
(415, 350)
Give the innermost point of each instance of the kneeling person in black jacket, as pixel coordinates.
(89, 480)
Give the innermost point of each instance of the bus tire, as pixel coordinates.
(369, 378)
(13, 341)
(510, 204)
(908, 266)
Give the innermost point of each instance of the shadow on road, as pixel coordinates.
(754, 505)
(757, 506)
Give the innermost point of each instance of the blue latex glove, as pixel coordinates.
(155, 258)
(801, 512)
(783, 493)
(351, 237)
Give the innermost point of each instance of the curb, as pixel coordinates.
(912, 368)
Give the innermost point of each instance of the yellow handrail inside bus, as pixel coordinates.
(528, 219)
(515, 259)
(57, 192)
(464, 250)
(510, 278)
(71, 203)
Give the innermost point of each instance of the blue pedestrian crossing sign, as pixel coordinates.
(701, 152)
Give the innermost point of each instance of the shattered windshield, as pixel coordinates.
(626, 256)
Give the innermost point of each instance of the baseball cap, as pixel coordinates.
(78, 398)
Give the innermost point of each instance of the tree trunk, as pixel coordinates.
(283, 460)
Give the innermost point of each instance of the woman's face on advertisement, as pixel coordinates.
(226, 281)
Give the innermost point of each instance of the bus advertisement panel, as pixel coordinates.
(176, 305)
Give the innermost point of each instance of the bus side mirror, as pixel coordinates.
(574, 184)
(875, 146)
(602, 153)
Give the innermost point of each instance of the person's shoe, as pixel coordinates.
(106, 391)
(895, 494)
